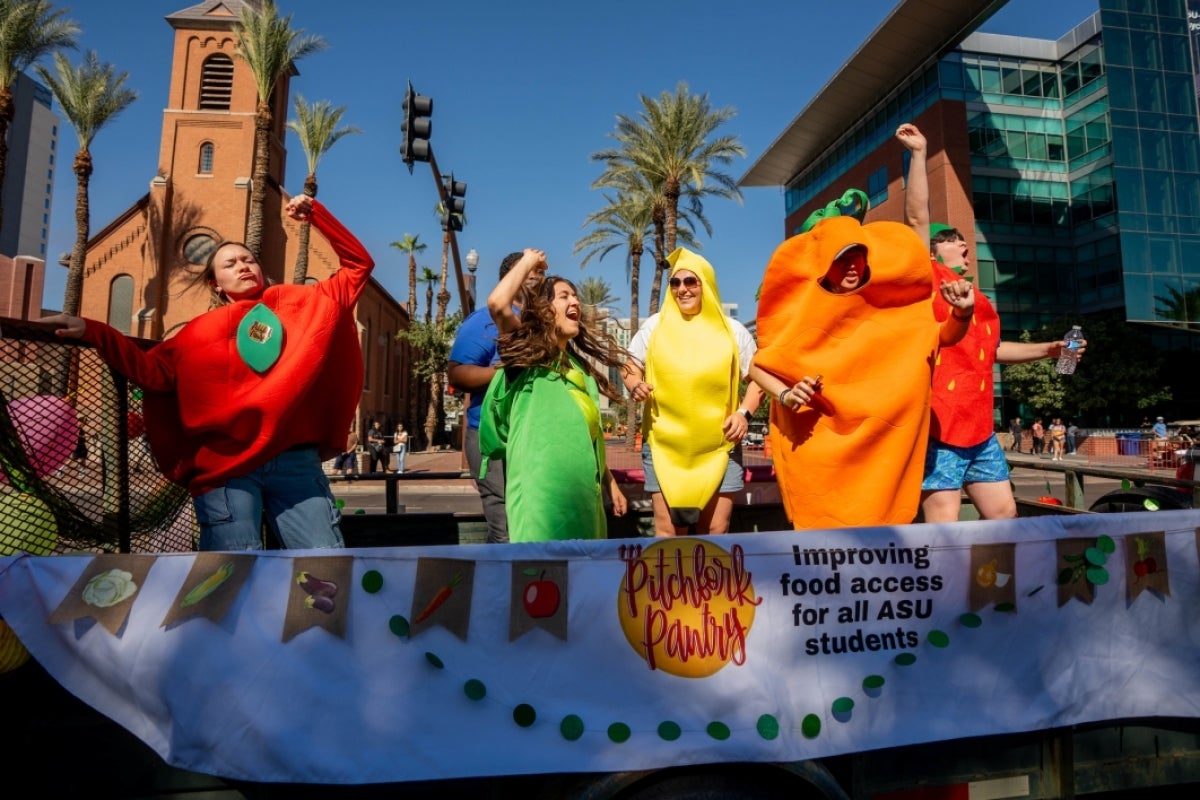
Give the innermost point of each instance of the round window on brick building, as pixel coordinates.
(197, 249)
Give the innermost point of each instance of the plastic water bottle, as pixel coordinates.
(1070, 354)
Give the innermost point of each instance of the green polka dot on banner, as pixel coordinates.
(873, 682)
(619, 733)
(938, 639)
(435, 661)
(1005, 608)
(1095, 556)
(1106, 544)
(969, 620)
(1098, 576)
(399, 626)
(718, 731)
(811, 726)
(905, 659)
(669, 731)
(768, 727)
(372, 581)
(571, 727)
(843, 705)
(524, 715)
(475, 689)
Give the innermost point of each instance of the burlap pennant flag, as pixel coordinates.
(210, 587)
(1072, 570)
(1146, 555)
(442, 595)
(318, 595)
(538, 598)
(105, 591)
(993, 576)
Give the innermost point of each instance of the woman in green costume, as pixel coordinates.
(541, 412)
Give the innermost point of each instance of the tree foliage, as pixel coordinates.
(1119, 377)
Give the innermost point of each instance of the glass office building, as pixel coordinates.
(1076, 161)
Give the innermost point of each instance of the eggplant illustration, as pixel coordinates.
(207, 586)
(315, 586)
(320, 602)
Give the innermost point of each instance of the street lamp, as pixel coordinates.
(472, 260)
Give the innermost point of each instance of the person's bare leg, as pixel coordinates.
(662, 517)
(716, 515)
(993, 500)
(941, 505)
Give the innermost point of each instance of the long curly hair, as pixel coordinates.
(535, 343)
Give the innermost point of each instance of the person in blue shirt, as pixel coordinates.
(472, 363)
(1160, 428)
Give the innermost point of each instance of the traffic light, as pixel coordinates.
(416, 127)
(454, 205)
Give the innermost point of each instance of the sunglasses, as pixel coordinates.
(690, 282)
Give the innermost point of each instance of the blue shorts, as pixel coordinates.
(734, 480)
(950, 467)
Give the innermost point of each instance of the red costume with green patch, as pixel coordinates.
(210, 417)
(961, 401)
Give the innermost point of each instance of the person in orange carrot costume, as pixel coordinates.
(847, 341)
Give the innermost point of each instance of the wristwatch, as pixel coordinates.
(745, 413)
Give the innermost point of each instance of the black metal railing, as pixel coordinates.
(76, 473)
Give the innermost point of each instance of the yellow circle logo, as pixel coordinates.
(686, 605)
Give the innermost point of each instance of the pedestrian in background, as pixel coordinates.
(1038, 432)
(1017, 432)
(400, 446)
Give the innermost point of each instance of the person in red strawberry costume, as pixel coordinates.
(963, 452)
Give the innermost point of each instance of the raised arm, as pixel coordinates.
(500, 301)
(153, 369)
(355, 262)
(916, 191)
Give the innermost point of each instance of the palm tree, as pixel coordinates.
(666, 150)
(270, 48)
(595, 295)
(90, 97)
(29, 29)
(412, 245)
(429, 278)
(316, 127)
(623, 222)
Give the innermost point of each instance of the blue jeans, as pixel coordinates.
(294, 492)
(400, 454)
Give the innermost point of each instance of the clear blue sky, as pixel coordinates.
(524, 92)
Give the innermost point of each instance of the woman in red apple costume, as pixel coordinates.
(247, 400)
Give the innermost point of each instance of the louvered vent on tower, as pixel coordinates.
(216, 83)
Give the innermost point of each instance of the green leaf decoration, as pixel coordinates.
(1095, 556)
(1064, 577)
(260, 338)
(1098, 576)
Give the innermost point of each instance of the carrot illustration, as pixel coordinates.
(443, 594)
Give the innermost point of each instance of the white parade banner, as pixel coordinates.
(397, 664)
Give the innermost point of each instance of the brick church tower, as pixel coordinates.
(140, 271)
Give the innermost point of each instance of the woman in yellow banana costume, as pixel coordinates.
(686, 365)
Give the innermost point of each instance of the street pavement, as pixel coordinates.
(449, 488)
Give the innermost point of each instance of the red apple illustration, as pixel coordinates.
(541, 598)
